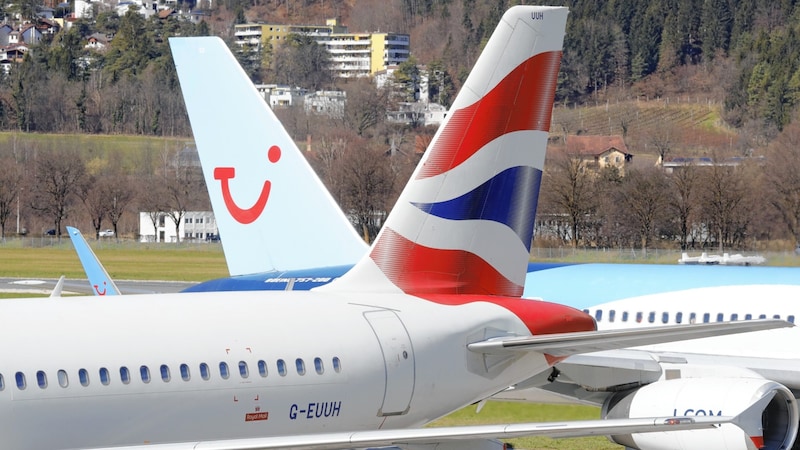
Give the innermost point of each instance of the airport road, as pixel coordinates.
(78, 286)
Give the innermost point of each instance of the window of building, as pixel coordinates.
(124, 375)
(41, 379)
(187, 220)
(105, 378)
(83, 377)
(63, 379)
(243, 371)
(223, 370)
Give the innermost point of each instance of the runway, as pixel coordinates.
(35, 286)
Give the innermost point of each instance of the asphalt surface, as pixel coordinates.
(77, 286)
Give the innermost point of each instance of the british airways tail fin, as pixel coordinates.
(272, 211)
(464, 222)
(101, 282)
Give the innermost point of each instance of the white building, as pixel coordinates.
(277, 95)
(194, 226)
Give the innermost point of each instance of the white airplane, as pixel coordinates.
(428, 322)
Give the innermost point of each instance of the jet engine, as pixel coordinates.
(767, 413)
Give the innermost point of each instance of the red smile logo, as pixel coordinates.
(245, 215)
(98, 291)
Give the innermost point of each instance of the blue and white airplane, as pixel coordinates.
(428, 321)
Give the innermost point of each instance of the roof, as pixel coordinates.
(595, 145)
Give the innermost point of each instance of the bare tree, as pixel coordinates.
(683, 200)
(643, 197)
(57, 177)
(569, 187)
(366, 106)
(783, 178)
(10, 184)
(723, 195)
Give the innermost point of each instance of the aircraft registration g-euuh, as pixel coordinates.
(361, 361)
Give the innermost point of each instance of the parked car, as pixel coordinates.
(107, 233)
(51, 232)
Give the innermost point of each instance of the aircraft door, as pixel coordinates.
(398, 357)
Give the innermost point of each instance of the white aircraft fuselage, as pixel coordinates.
(349, 364)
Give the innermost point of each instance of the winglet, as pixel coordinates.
(464, 223)
(99, 280)
(272, 211)
(59, 287)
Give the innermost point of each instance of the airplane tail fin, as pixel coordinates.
(99, 279)
(272, 211)
(464, 222)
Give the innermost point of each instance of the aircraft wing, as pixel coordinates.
(567, 344)
(421, 436)
(101, 282)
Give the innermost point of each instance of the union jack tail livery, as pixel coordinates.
(272, 211)
(464, 223)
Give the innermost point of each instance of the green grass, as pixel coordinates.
(513, 412)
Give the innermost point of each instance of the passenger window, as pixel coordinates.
(63, 380)
(611, 314)
(679, 317)
(300, 365)
(20, 380)
(651, 317)
(243, 369)
(105, 378)
(337, 364)
(2, 383)
(124, 375)
(41, 379)
(706, 318)
(586, 311)
(144, 371)
(734, 317)
(748, 317)
(262, 368)
(83, 376)
(665, 317)
(598, 315)
(165, 373)
(789, 319)
(624, 316)
(762, 316)
(720, 317)
(776, 316)
(318, 365)
(281, 368)
(639, 317)
(204, 372)
(223, 370)
(185, 372)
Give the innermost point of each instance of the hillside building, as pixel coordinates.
(599, 152)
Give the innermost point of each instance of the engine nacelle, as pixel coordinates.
(774, 428)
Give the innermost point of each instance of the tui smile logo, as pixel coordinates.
(245, 215)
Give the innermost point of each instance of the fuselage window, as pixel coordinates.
(706, 318)
(243, 371)
(124, 375)
(692, 318)
(624, 316)
(20, 377)
(41, 379)
(598, 315)
(665, 317)
(63, 380)
(679, 317)
(776, 316)
(651, 317)
(281, 367)
(611, 314)
(639, 317)
(185, 372)
(790, 319)
(337, 364)
(105, 378)
(734, 317)
(318, 366)
(300, 365)
(144, 371)
(262, 368)
(748, 317)
(165, 373)
(83, 376)
(720, 317)
(223, 370)
(2, 383)
(204, 372)
(762, 316)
